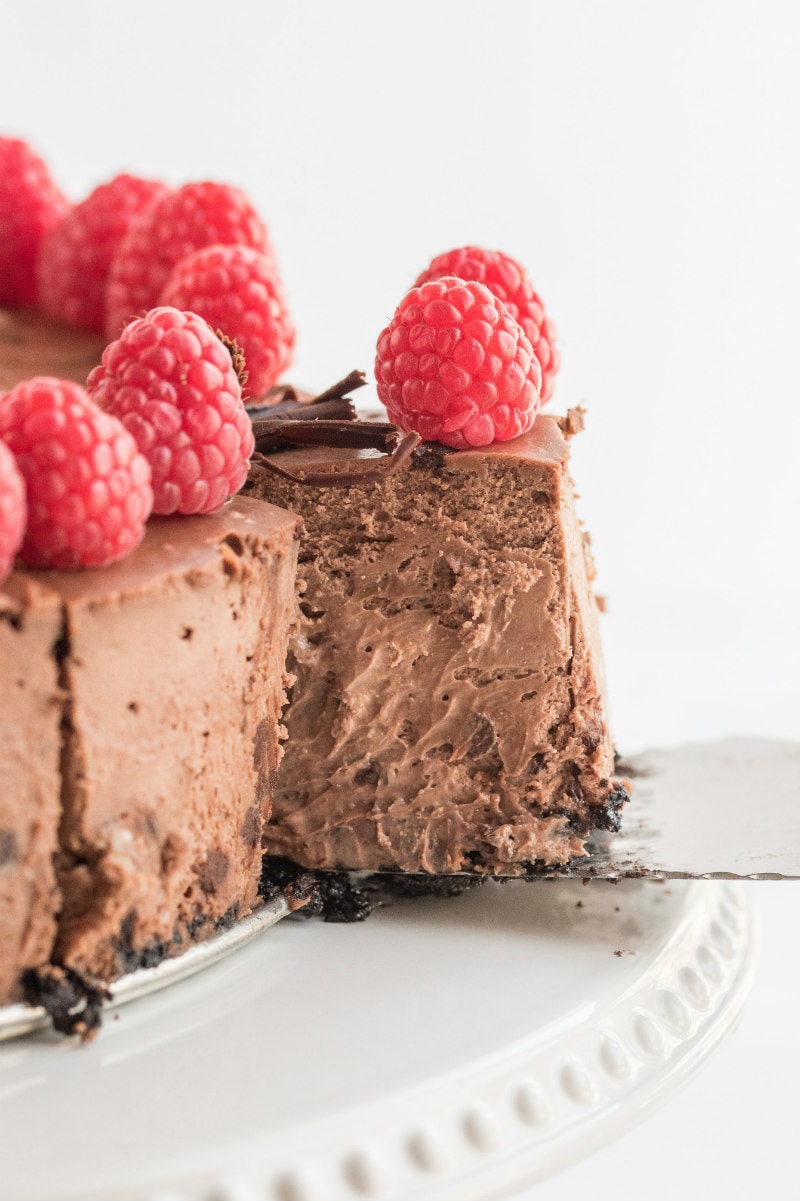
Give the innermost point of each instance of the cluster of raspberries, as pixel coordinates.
(134, 244)
(470, 354)
(159, 428)
(184, 285)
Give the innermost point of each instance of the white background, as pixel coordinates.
(642, 161)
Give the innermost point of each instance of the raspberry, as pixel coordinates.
(30, 205)
(75, 255)
(237, 290)
(88, 487)
(173, 385)
(13, 510)
(196, 215)
(456, 367)
(509, 281)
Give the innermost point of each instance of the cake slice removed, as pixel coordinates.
(448, 713)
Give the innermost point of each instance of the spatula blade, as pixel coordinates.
(725, 810)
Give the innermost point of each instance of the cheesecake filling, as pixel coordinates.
(448, 712)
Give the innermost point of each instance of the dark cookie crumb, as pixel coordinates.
(333, 896)
(609, 817)
(150, 955)
(352, 896)
(421, 884)
(132, 958)
(73, 1003)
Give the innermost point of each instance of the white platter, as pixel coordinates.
(445, 1050)
(20, 1019)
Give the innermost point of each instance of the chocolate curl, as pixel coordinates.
(353, 435)
(396, 449)
(286, 403)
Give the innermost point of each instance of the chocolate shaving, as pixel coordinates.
(278, 395)
(340, 409)
(396, 449)
(350, 383)
(284, 402)
(328, 419)
(355, 435)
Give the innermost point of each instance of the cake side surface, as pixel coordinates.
(447, 713)
(173, 666)
(30, 744)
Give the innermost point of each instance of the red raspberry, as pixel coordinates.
(173, 385)
(13, 510)
(196, 215)
(456, 367)
(88, 487)
(75, 255)
(30, 205)
(509, 281)
(237, 290)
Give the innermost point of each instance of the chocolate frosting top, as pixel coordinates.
(31, 344)
(171, 547)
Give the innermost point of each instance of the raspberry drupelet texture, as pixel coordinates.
(172, 383)
(509, 281)
(13, 509)
(30, 205)
(194, 216)
(238, 291)
(74, 257)
(456, 367)
(88, 487)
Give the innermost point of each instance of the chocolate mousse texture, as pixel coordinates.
(448, 712)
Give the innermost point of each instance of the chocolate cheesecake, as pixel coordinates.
(448, 712)
(447, 701)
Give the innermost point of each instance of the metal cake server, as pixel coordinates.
(723, 810)
(19, 1019)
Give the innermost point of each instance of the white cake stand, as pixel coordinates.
(444, 1050)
